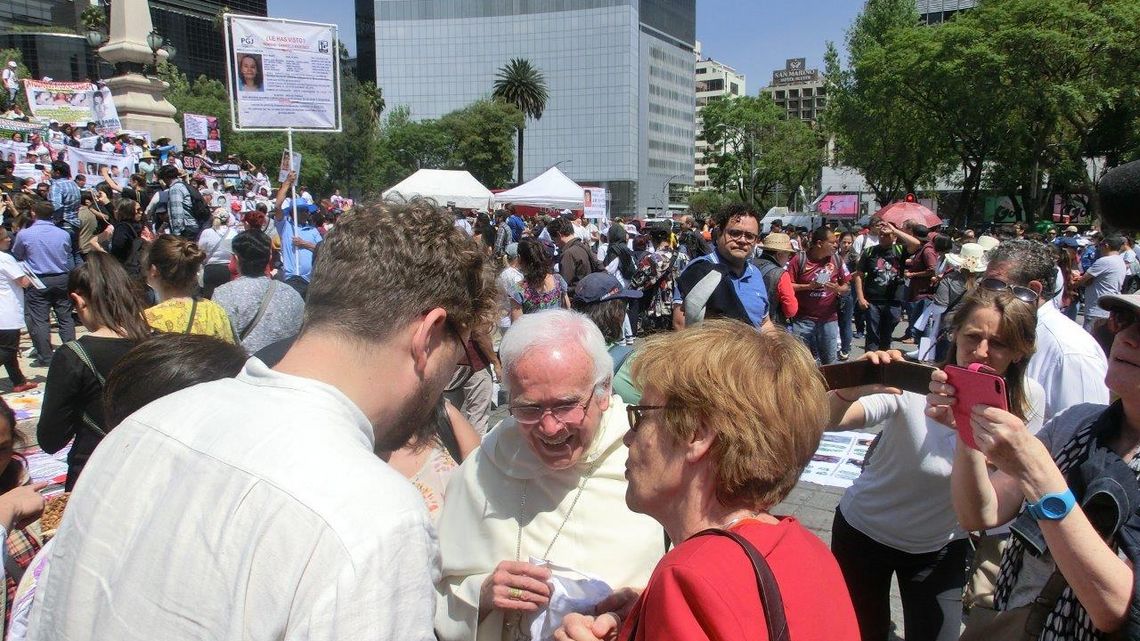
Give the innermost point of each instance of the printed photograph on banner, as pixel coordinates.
(287, 166)
(283, 74)
(69, 102)
(594, 203)
(201, 133)
(105, 113)
(97, 166)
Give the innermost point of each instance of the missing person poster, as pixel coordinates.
(594, 203)
(69, 102)
(284, 74)
(201, 132)
(98, 165)
(105, 113)
(289, 163)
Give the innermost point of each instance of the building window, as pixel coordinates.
(715, 84)
(734, 89)
(701, 70)
(793, 93)
(807, 92)
(780, 94)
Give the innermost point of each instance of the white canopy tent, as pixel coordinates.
(550, 189)
(444, 186)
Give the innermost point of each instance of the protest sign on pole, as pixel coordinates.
(105, 113)
(283, 74)
(594, 203)
(203, 131)
(290, 161)
(69, 102)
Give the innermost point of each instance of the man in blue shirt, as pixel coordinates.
(516, 223)
(46, 249)
(64, 196)
(297, 245)
(724, 283)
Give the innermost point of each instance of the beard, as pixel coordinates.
(418, 419)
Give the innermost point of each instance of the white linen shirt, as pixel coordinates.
(1068, 363)
(249, 508)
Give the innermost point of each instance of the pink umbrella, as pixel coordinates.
(898, 213)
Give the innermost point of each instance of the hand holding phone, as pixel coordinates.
(974, 385)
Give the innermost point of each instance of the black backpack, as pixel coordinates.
(625, 259)
(198, 207)
(771, 273)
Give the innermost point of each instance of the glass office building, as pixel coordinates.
(936, 11)
(619, 73)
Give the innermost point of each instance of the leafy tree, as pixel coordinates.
(521, 84)
(707, 201)
(479, 138)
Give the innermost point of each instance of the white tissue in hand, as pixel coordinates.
(570, 591)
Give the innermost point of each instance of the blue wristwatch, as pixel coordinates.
(1053, 506)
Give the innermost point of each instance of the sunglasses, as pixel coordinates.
(738, 234)
(636, 413)
(1023, 294)
(565, 414)
(1121, 319)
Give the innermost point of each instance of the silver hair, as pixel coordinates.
(556, 327)
(1028, 260)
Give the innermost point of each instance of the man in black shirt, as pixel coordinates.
(879, 280)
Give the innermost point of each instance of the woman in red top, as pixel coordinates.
(715, 444)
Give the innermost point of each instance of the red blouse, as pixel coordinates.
(705, 588)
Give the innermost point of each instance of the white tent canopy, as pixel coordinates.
(444, 186)
(550, 189)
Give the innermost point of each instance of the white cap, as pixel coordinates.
(12, 64)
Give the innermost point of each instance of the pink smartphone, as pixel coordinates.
(974, 385)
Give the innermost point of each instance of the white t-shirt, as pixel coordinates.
(506, 282)
(863, 241)
(218, 244)
(11, 294)
(1068, 363)
(902, 498)
(10, 79)
(1060, 286)
(288, 528)
(1108, 275)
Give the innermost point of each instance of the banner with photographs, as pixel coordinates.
(9, 127)
(92, 164)
(201, 132)
(70, 102)
(12, 151)
(283, 74)
(104, 112)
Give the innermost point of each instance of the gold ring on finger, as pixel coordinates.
(516, 594)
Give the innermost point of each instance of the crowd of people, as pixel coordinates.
(280, 423)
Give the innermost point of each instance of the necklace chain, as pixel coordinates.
(558, 532)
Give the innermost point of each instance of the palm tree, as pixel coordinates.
(522, 85)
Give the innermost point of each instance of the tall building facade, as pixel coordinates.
(190, 25)
(936, 11)
(714, 80)
(798, 90)
(619, 73)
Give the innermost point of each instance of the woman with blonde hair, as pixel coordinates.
(897, 519)
(171, 265)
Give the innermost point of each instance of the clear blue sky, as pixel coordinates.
(754, 36)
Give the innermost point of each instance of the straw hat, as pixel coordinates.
(972, 258)
(777, 242)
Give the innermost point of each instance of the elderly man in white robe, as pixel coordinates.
(547, 485)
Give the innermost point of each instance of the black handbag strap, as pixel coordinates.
(193, 311)
(262, 307)
(770, 599)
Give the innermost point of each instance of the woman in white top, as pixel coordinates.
(217, 242)
(898, 517)
(13, 280)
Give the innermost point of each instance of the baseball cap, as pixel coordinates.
(1118, 302)
(12, 63)
(600, 287)
(1071, 229)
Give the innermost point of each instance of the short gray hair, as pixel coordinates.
(556, 327)
(1027, 260)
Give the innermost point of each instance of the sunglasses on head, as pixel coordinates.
(1019, 292)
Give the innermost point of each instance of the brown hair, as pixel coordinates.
(733, 380)
(1017, 329)
(386, 263)
(113, 298)
(176, 259)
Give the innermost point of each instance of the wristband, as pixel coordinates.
(1053, 506)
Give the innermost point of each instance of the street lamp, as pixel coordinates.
(665, 192)
(157, 43)
(95, 38)
(558, 163)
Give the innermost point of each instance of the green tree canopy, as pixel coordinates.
(521, 84)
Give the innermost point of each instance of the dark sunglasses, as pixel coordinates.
(635, 414)
(1023, 294)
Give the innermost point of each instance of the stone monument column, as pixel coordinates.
(139, 98)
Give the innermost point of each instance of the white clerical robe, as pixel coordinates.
(480, 523)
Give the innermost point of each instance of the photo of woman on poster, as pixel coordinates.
(250, 77)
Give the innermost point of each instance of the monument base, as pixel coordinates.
(141, 105)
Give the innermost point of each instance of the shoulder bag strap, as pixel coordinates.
(86, 358)
(261, 309)
(770, 598)
(694, 303)
(193, 311)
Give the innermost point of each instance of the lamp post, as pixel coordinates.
(96, 39)
(665, 193)
(157, 43)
